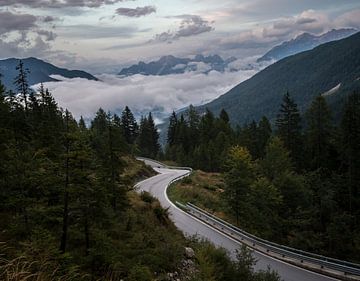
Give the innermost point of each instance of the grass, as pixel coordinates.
(202, 189)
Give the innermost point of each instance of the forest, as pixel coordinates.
(68, 209)
(295, 182)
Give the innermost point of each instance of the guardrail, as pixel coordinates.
(164, 165)
(283, 252)
(314, 262)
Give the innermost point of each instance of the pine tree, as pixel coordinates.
(350, 128)
(129, 125)
(21, 83)
(171, 134)
(148, 140)
(264, 134)
(288, 124)
(319, 133)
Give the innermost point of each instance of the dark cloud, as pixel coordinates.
(24, 47)
(137, 12)
(49, 19)
(59, 3)
(16, 22)
(49, 35)
(190, 25)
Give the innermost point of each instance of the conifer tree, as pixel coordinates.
(171, 133)
(319, 133)
(129, 125)
(148, 140)
(21, 83)
(288, 125)
(350, 127)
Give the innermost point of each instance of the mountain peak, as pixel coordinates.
(40, 71)
(173, 65)
(305, 41)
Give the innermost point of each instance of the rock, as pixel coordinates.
(189, 252)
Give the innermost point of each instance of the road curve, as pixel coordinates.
(191, 226)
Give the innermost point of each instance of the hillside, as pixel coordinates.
(40, 71)
(172, 65)
(305, 42)
(305, 75)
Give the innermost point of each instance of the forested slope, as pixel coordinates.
(304, 75)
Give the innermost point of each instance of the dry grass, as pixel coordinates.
(23, 269)
(202, 189)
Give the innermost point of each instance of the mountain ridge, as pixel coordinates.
(304, 42)
(304, 75)
(40, 71)
(170, 64)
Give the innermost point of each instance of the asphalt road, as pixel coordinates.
(191, 226)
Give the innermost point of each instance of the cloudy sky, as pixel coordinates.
(103, 35)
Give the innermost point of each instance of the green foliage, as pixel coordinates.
(299, 187)
(148, 140)
(200, 142)
(304, 75)
(214, 264)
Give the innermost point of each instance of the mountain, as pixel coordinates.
(172, 65)
(305, 42)
(40, 71)
(331, 69)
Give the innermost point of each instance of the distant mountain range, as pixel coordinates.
(40, 71)
(305, 42)
(172, 65)
(332, 69)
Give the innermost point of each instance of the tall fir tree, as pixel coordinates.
(319, 133)
(350, 127)
(22, 84)
(129, 125)
(288, 128)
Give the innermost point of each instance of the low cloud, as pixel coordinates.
(160, 94)
(349, 19)
(189, 26)
(137, 12)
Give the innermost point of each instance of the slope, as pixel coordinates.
(305, 75)
(40, 71)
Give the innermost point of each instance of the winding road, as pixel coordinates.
(157, 186)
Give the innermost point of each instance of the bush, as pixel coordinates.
(140, 273)
(147, 197)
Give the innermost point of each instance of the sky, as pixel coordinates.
(103, 36)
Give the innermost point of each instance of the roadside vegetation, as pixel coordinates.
(295, 182)
(68, 210)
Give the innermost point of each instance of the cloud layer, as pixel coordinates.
(161, 95)
(137, 12)
(189, 26)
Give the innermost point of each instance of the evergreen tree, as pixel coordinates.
(264, 134)
(288, 124)
(129, 126)
(350, 128)
(173, 124)
(21, 83)
(319, 132)
(148, 140)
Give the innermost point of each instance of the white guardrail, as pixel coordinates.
(318, 263)
(323, 264)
